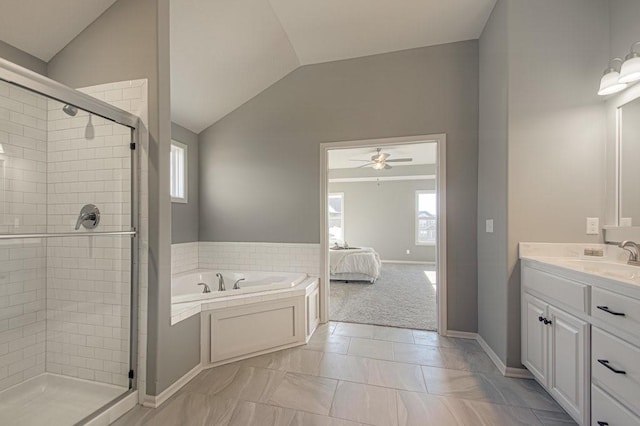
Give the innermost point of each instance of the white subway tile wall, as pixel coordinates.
(22, 210)
(132, 97)
(184, 257)
(88, 278)
(246, 257)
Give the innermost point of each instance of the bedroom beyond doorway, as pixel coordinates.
(381, 233)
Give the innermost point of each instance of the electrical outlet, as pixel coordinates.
(489, 226)
(408, 251)
(593, 226)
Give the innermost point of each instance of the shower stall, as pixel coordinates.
(68, 250)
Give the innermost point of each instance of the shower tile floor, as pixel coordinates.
(356, 374)
(54, 400)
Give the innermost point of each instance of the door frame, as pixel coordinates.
(441, 243)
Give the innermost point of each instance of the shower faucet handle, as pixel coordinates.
(89, 217)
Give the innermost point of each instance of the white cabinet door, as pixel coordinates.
(534, 337)
(568, 367)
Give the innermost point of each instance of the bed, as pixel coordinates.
(354, 264)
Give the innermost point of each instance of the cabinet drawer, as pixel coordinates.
(607, 411)
(570, 293)
(617, 310)
(615, 366)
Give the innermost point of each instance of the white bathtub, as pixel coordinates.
(185, 288)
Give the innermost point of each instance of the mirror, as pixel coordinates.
(629, 164)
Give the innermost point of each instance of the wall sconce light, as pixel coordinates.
(630, 70)
(610, 81)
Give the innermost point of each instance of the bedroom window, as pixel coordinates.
(178, 165)
(426, 217)
(336, 218)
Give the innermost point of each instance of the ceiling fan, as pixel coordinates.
(380, 159)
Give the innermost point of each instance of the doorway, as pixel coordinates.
(383, 232)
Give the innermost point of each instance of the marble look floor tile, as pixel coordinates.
(212, 380)
(396, 375)
(392, 334)
(554, 418)
(423, 409)
(255, 414)
(365, 404)
(190, 408)
(354, 330)
(431, 338)
(458, 359)
(467, 345)
(309, 419)
(460, 384)
(294, 360)
(344, 367)
(418, 354)
(329, 343)
(369, 348)
(306, 393)
(332, 326)
(251, 384)
(523, 393)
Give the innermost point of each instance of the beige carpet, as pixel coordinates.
(403, 296)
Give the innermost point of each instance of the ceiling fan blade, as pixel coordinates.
(386, 167)
(365, 165)
(399, 160)
(366, 161)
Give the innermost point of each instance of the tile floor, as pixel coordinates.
(354, 374)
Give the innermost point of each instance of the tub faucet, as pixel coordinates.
(236, 286)
(220, 282)
(634, 252)
(206, 288)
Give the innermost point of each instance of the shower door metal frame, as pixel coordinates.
(34, 82)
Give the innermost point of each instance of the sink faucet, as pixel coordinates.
(220, 282)
(206, 288)
(236, 286)
(634, 252)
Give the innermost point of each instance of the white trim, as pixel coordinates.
(520, 373)
(408, 262)
(381, 178)
(441, 252)
(462, 334)
(152, 401)
(185, 155)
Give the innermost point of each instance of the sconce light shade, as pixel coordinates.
(630, 71)
(610, 83)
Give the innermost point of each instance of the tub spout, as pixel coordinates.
(236, 286)
(206, 288)
(220, 282)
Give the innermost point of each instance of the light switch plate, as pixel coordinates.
(593, 226)
(489, 226)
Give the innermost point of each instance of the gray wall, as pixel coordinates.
(383, 216)
(129, 41)
(22, 58)
(268, 149)
(185, 217)
(556, 132)
(492, 181)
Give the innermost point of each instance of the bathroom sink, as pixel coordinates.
(609, 269)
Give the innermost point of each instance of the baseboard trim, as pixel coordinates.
(408, 262)
(461, 334)
(519, 373)
(152, 401)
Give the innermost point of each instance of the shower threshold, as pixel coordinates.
(53, 400)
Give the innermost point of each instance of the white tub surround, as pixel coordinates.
(184, 257)
(581, 329)
(190, 286)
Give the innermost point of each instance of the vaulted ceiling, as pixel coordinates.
(225, 52)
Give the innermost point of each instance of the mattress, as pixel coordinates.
(363, 262)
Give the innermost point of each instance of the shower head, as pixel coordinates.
(70, 110)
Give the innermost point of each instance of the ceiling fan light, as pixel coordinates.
(630, 71)
(378, 166)
(609, 84)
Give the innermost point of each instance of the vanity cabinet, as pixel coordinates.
(555, 349)
(581, 342)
